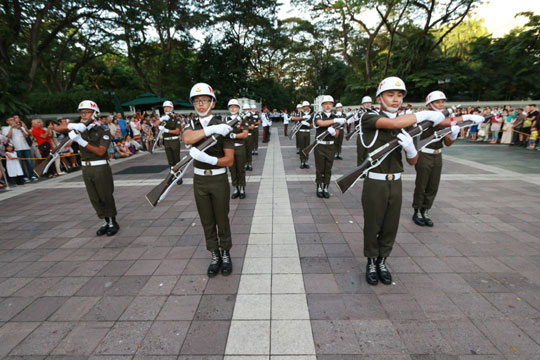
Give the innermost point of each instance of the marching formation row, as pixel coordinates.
(216, 144)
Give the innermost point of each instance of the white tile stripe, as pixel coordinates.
(271, 317)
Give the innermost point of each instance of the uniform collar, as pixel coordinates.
(205, 120)
(390, 115)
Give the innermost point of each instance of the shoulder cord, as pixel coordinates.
(361, 134)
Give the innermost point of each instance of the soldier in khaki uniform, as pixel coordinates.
(238, 136)
(247, 117)
(382, 191)
(257, 122)
(325, 150)
(171, 126)
(210, 180)
(297, 113)
(303, 135)
(94, 141)
(429, 164)
(341, 133)
(354, 121)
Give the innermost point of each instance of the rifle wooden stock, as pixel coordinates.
(40, 168)
(155, 194)
(439, 135)
(348, 179)
(312, 146)
(294, 129)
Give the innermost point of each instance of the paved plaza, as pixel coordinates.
(468, 288)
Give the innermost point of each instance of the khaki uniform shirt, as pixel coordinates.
(96, 136)
(217, 149)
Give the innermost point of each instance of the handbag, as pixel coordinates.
(44, 147)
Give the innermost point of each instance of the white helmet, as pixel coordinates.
(366, 99)
(434, 96)
(168, 103)
(253, 106)
(391, 83)
(338, 105)
(305, 103)
(246, 107)
(233, 102)
(299, 106)
(201, 89)
(89, 105)
(327, 98)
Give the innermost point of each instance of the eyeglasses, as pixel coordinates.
(86, 112)
(201, 101)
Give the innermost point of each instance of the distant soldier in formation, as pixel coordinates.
(171, 126)
(247, 117)
(341, 132)
(238, 136)
(303, 135)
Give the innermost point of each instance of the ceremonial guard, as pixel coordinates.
(382, 190)
(325, 149)
(341, 132)
(238, 136)
(257, 122)
(285, 121)
(429, 164)
(210, 180)
(297, 114)
(354, 120)
(303, 135)
(170, 126)
(94, 141)
(247, 117)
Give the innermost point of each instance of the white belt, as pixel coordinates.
(431, 151)
(94, 163)
(378, 176)
(256, 126)
(209, 172)
(249, 134)
(237, 144)
(170, 138)
(303, 130)
(325, 142)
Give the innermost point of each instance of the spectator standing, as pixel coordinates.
(496, 122)
(122, 123)
(13, 166)
(135, 129)
(285, 121)
(43, 138)
(18, 134)
(507, 127)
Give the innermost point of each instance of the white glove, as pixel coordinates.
(232, 135)
(202, 156)
(163, 129)
(164, 118)
(351, 120)
(77, 138)
(406, 142)
(80, 127)
(220, 129)
(455, 132)
(304, 123)
(332, 131)
(436, 117)
(306, 117)
(339, 121)
(478, 119)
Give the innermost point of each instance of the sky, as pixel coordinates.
(498, 14)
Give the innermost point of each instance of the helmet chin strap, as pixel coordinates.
(204, 114)
(388, 108)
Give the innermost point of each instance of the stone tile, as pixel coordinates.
(421, 337)
(364, 307)
(255, 284)
(116, 268)
(454, 283)
(223, 285)
(290, 337)
(171, 267)
(315, 265)
(484, 283)
(109, 308)
(144, 267)
(67, 286)
(465, 338)
(83, 339)
(249, 337)
(326, 307)
(289, 307)
(45, 338)
(12, 333)
(252, 307)
(311, 250)
(377, 337)
(257, 266)
(159, 285)
(190, 285)
(351, 283)
(475, 306)
(11, 285)
(289, 265)
(37, 287)
(75, 308)
(334, 337)
(124, 338)
(164, 338)
(180, 307)
(401, 307)
(143, 308)
(512, 306)
(437, 305)
(127, 286)
(279, 250)
(507, 337)
(320, 284)
(97, 286)
(215, 307)
(41, 309)
(287, 284)
(11, 306)
(196, 341)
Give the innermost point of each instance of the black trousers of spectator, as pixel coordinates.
(266, 134)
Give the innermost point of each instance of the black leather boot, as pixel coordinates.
(382, 271)
(425, 216)
(319, 191)
(338, 157)
(226, 263)
(236, 193)
(215, 263)
(242, 192)
(306, 166)
(103, 229)
(371, 272)
(180, 181)
(302, 165)
(418, 218)
(113, 227)
(326, 194)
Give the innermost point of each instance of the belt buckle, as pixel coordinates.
(390, 177)
(437, 151)
(87, 163)
(207, 172)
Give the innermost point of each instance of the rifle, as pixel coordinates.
(43, 166)
(357, 128)
(294, 129)
(312, 146)
(159, 192)
(161, 133)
